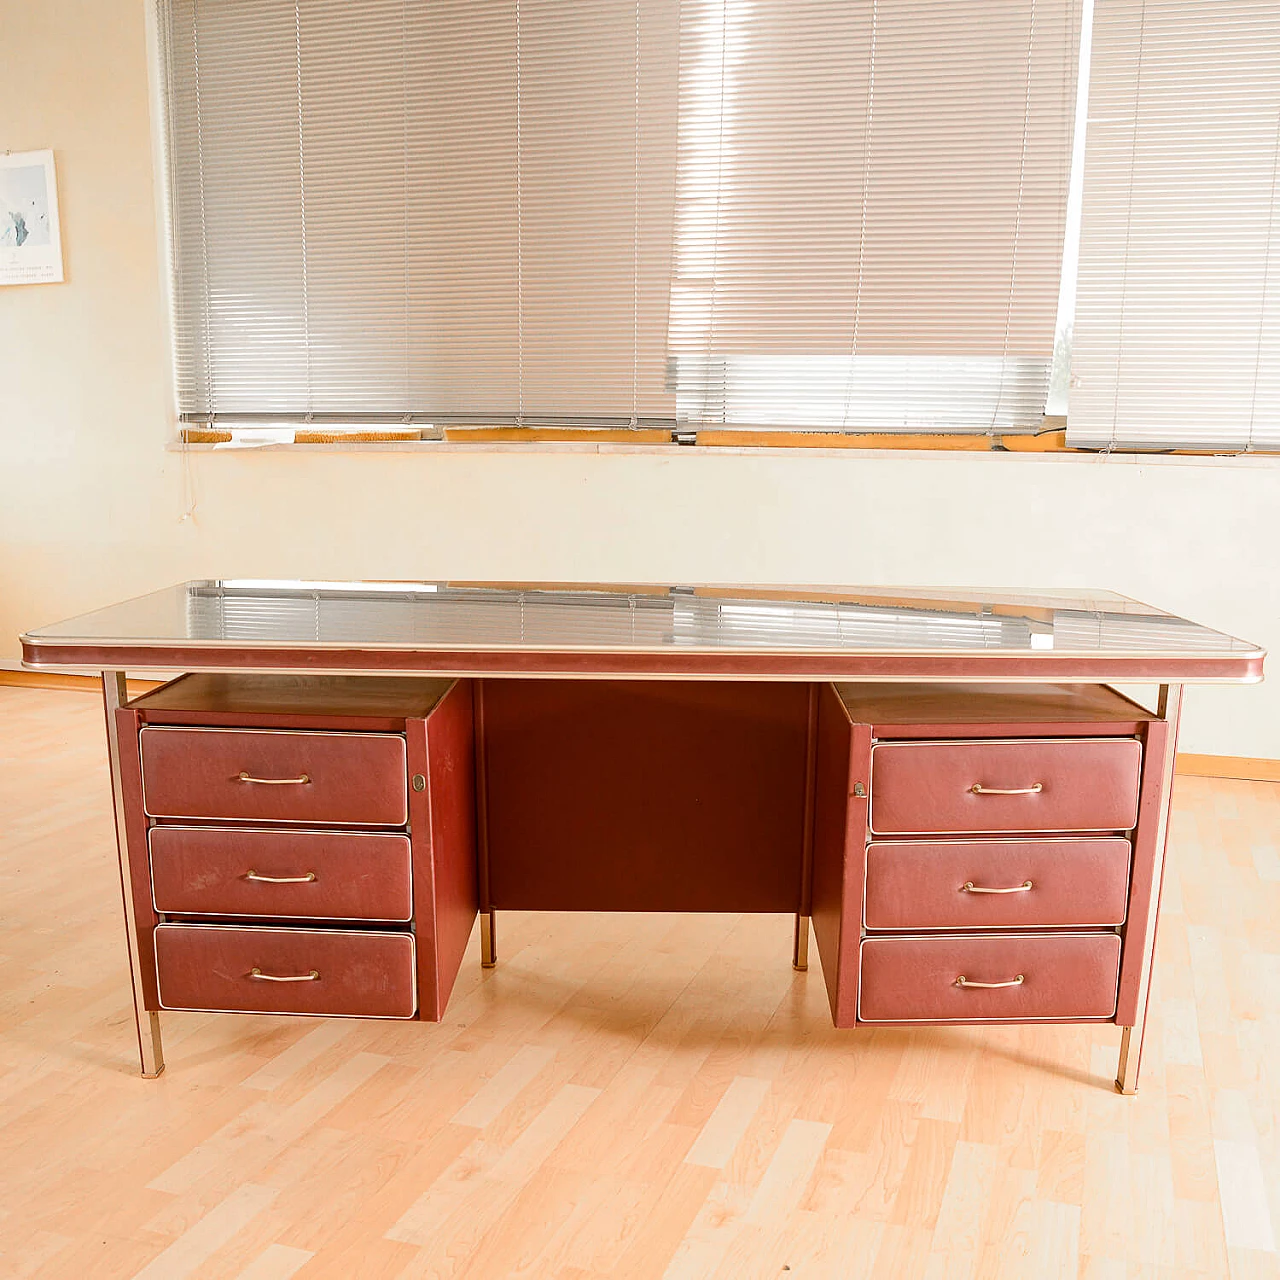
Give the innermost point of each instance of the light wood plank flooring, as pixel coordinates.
(624, 1096)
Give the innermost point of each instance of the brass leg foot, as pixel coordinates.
(800, 951)
(488, 940)
(1130, 1058)
(149, 1045)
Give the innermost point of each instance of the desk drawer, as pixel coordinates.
(339, 779)
(228, 871)
(996, 884)
(1036, 976)
(233, 969)
(1081, 784)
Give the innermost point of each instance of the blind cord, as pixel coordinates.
(302, 197)
(635, 245)
(519, 232)
(1266, 280)
(1113, 442)
(862, 217)
(1017, 225)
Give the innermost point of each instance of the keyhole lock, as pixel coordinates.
(419, 782)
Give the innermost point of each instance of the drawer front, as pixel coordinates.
(226, 871)
(229, 969)
(342, 779)
(996, 884)
(1066, 976)
(1086, 784)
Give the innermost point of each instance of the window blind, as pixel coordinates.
(448, 210)
(871, 206)
(1177, 332)
(772, 213)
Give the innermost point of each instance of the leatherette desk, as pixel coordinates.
(342, 776)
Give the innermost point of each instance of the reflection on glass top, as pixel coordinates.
(639, 619)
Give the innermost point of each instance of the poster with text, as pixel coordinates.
(30, 238)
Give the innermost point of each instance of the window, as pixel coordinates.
(811, 214)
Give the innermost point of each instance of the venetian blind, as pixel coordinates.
(421, 209)
(1177, 333)
(774, 213)
(870, 211)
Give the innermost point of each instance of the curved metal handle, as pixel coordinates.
(310, 876)
(970, 887)
(257, 973)
(1034, 789)
(273, 782)
(962, 981)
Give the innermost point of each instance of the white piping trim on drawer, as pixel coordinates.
(276, 831)
(986, 742)
(271, 1013)
(973, 930)
(293, 733)
(880, 939)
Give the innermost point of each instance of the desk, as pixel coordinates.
(942, 784)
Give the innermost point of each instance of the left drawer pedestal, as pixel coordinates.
(306, 859)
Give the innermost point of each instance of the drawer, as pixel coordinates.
(1063, 975)
(231, 969)
(996, 884)
(266, 775)
(1047, 784)
(228, 871)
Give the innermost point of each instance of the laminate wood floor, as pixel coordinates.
(624, 1096)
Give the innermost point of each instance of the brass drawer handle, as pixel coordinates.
(307, 879)
(1034, 789)
(257, 973)
(273, 782)
(970, 887)
(962, 981)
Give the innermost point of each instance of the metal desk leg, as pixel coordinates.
(488, 939)
(1169, 707)
(150, 1051)
(800, 951)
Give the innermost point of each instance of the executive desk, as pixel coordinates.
(342, 776)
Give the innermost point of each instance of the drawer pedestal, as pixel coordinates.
(301, 847)
(971, 867)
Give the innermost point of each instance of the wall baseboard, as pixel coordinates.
(1242, 767)
(1192, 766)
(75, 684)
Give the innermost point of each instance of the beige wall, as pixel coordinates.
(93, 507)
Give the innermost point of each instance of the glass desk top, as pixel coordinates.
(243, 623)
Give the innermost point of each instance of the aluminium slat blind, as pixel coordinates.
(442, 209)
(871, 206)
(775, 213)
(1177, 330)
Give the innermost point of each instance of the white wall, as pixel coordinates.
(94, 508)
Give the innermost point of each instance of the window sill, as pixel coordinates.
(900, 447)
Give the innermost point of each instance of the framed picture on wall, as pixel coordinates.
(30, 237)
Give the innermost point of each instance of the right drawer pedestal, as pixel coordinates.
(967, 870)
